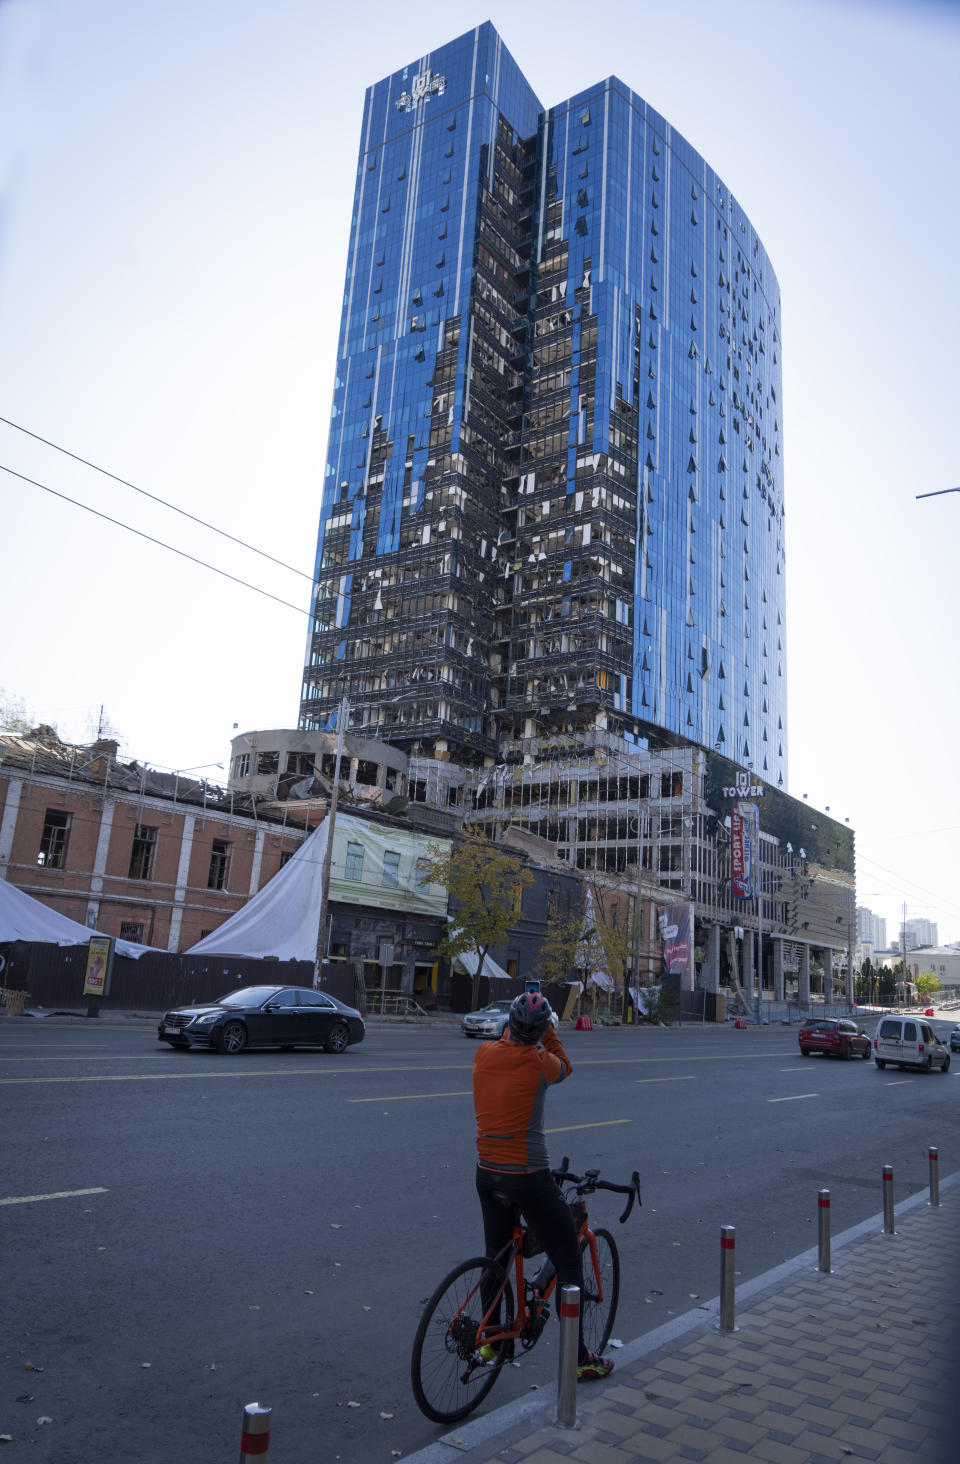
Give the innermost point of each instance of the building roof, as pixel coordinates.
(41, 752)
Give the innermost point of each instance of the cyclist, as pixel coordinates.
(510, 1081)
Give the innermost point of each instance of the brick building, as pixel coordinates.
(158, 858)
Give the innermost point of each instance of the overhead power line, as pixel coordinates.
(944, 902)
(154, 498)
(151, 540)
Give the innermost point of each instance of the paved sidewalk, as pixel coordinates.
(863, 1363)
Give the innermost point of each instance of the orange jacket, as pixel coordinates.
(510, 1081)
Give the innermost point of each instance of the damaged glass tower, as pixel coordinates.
(553, 495)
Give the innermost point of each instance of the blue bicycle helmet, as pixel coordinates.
(529, 1017)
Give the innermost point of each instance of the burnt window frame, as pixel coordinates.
(55, 839)
(143, 852)
(218, 873)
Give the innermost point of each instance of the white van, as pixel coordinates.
(909, 1042)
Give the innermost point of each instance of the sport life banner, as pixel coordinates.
(745, 839)
(675, 931)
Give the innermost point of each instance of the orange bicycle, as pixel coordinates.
(469, 1326)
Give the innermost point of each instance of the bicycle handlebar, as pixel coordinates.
(587, 1183)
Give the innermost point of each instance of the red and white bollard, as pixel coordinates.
(823, 1212)
(569, 1356)
(255, 1439)
(889, 1227)
(934, 1157)
(728, 1246)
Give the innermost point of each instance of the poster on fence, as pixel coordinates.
(96, 976)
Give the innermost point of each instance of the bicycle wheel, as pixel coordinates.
(449, 1376)
(597, 1317)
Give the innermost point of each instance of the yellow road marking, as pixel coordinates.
(240, 1071)
(59, 1195)
(92, 1057)
(793, 1098)
(687, 1079)
(404, 1097)
(155, 1077)
(570, 1127)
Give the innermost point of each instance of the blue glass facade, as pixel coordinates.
(554, 485)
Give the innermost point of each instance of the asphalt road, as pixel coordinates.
(183, 1233)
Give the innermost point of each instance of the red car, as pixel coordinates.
(833, 1035)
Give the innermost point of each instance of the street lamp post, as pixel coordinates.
(760, 931)
(342, 716)
(639, 925)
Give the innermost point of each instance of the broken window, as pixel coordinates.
(268, 762)
(241, 765)
(134, 930)
(219, 871)
(300, 762)
(143, 853)
(56, 836)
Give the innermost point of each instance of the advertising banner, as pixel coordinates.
(676, 924)
(744, 842)
(96, 976)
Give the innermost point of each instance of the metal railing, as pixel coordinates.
(384, 1003)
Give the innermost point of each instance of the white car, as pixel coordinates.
(909, 1042)
(491, 1020)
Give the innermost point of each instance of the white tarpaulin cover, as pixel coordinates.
(590, 952)
(24, 918)
(645, 998)
(469, 960)
(281, 919)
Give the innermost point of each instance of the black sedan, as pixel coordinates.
(264, 1016)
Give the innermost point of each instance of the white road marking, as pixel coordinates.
(794, 1097)
(59, 1195)
(687, 1079)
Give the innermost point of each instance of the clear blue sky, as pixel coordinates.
(176, 183)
